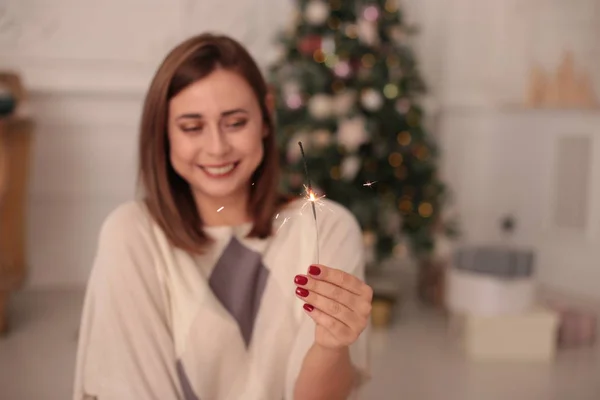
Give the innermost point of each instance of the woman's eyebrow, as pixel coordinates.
(200, 116)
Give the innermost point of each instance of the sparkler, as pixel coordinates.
(311, 197)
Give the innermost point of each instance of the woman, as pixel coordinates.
(200, 290)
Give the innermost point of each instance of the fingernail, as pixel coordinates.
(308, 307)
(314, 270)
(301, 280)
(301, 292)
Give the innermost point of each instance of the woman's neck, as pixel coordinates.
(229, 211)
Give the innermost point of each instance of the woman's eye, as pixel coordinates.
(191, 128)
(237, 123)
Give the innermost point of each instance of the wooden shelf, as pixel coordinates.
(16, 134)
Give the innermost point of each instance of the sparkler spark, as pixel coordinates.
(312, 198)
(369, 183)
(220, 209)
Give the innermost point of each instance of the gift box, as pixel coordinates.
(506, 262)
(488, 295)
(577, 327)
(525, 337)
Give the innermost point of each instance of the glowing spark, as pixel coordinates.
(286, 219)
(369, 183)
(277, 216)
(220, 209)
(312, 199)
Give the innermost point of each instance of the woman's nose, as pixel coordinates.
(217, 143)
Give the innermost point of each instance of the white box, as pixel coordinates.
(485, 295)
(529, 336)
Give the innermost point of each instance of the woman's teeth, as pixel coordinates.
(220, 170)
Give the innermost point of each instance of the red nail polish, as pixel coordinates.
(308, 307)
(314, 270)
(301, 292)
(301, 280)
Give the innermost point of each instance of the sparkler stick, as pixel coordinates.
(310, 197)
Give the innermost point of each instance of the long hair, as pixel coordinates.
(167, 196)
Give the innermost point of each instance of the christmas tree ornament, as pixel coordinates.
(321, 138)
(352, 134)
(344, 102)
(294, 101)
(397, 34)
(328, 45)
(371, 99)
(351, 31)
(307, 45)
(350, 167)
(316, 12)
(371, 13)
(403, 105)
(369, 238)
(368, 33)
(320, 106)
(342, 69)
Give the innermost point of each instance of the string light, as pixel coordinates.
(404, 138)
(405, 205)
(319, 56)
(422, 153)
(391, 6)
(395, 159)
(425, 210)
(390, 91)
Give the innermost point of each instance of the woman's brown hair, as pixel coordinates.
(167, 196)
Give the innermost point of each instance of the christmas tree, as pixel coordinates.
(347, 86)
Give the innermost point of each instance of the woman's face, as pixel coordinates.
(215, 132)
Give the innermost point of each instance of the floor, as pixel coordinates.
(414, 360)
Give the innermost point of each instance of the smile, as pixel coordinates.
(219, 171)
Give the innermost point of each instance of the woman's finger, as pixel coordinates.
(336, 328)
(342, 279)
(332, 308)
(335, 293)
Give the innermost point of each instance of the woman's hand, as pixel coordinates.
(338, 302)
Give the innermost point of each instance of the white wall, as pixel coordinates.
(88, 80)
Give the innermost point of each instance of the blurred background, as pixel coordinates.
(459, 132)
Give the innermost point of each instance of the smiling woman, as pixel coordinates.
(193, 293)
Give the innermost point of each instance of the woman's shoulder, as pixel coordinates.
(127, 221)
